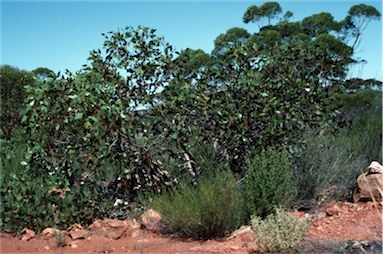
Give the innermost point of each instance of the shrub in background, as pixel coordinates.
(280, 232)
(331, 165)
(269, 181)
(212, 209)
(341, 156)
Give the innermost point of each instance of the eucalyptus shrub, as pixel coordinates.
(253, 100)
(38, 203)
(12, 95)
(76, 122)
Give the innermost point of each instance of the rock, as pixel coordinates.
(75, 227)
(235, 248)
(73, 245)
(151, 220)
(78, 234)
(333, 210)
(115, 229)
(242, 230)
(375, 168)
(50, 232)
(27, 234)
(369, 187)
(365, 246)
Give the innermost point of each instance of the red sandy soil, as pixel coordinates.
(349, 221)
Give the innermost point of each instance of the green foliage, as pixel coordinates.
(341, 156)
(77, 122)
(336, 41)
(280, 232)
(12, 95)
(37, 202)
(352, 105)
(269, 182)
(321, 23)
(225, 41)
(12, 153)
(252, 100)
(212, 209)
(44, 73)
(193, 61)
(266, 12)
(358, 84)
(358, 18)
(331, 166)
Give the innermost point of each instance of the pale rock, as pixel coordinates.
(115, 229)
(151, 220)
(375, 168)
(78, 234)
(27, 234)
(73, 245)
(369, 187)
(234, 248)
(75, 227)
(50, 232)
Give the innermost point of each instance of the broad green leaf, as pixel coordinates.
(78, 116)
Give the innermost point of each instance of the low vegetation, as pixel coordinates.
(280, 232)
(212, 209)
(269, 182)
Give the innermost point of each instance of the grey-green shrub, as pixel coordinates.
(269, 182)
(212, 209)
(326, 162)
(339, 157)
(280, 232)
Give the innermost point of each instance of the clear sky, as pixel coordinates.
(60, 34)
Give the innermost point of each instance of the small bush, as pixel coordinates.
(280, 232)
(269, 182)
(209, 210)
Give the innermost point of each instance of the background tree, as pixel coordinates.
(319, 30)
(193, 61)
(359, 16)
(44, 73)
(12, 94)
(230, 39)
(264, 14)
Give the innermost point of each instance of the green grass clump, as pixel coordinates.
(60, 238)
(280, 232)
(212, 209)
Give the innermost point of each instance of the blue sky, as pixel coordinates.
(60, 34)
